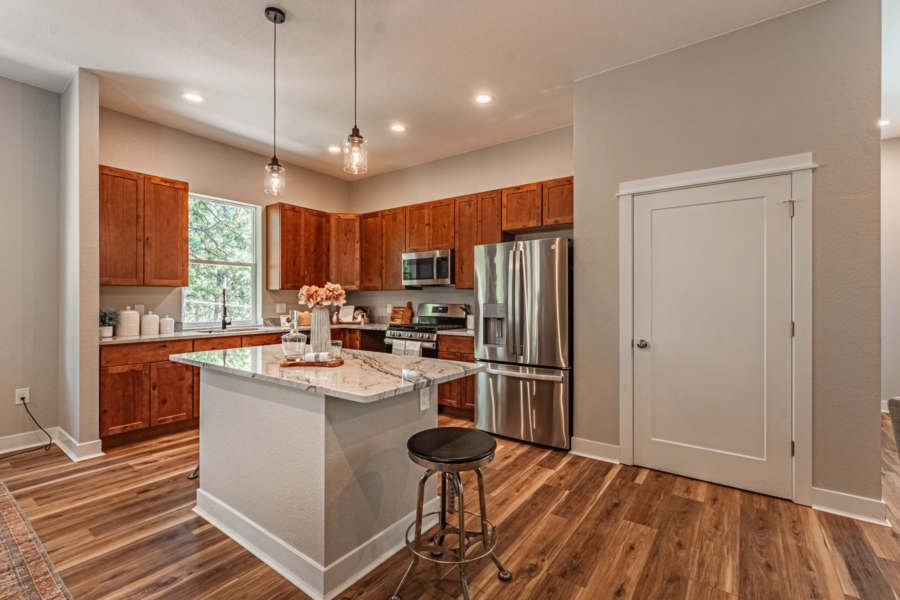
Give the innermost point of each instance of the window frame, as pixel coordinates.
(256, 293)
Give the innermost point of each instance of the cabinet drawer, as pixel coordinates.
(217, 343)
(130, 354)
(456, 343)
(267, 339)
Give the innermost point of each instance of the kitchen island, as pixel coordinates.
(307, 467)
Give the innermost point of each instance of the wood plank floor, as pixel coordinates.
(121, 526)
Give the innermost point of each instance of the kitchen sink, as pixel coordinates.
(233, 330)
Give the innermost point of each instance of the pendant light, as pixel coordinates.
(275, 180)
(356, 159)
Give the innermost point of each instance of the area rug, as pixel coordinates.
(26, 571)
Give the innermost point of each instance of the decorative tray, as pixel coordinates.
(336, 362)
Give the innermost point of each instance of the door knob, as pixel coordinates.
(642, 344)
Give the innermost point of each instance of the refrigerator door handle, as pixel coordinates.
(512, 327)
(556, 378)
(520, 304)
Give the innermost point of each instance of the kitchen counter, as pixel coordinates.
(364, 377)
(205, 333)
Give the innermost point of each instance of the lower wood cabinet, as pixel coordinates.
(459, 393)
(124, 398)
(171, 392)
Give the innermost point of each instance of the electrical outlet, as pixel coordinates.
(22, 396)
(424, 395)
(280, 308)
(140, 309)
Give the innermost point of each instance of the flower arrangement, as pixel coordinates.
(109, 317)
(330, 295)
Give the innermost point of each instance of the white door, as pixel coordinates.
(712, 301)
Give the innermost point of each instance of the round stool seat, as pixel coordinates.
(443, 448)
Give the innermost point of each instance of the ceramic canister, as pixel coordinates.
(166, 325)
(129, 323)
(150, 324)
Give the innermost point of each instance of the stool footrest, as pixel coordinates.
(470, 539)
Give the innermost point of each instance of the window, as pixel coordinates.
(223, 242)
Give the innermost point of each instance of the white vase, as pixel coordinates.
(106, 332)
(320, 332)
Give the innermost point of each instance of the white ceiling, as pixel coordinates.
(421, 64)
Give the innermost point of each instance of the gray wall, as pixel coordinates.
(890, 268)
(79, 232)
(806, 81)
(29, 244)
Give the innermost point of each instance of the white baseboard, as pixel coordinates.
(321, 583)
(595, 450)
(848, 505)
(77, 452)
(23, 441)
(884, 407)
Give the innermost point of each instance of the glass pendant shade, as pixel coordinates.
(356, 159)
(275, 181)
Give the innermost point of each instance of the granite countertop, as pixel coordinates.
(204, 333)
(459, 332)
(364, 377)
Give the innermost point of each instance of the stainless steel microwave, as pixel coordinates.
(434, 267)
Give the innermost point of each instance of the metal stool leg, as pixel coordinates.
(503, 574)
(195, 473)
(442, 518)
(463, 541)
(417, 541)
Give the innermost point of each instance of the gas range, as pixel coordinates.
(431, 319)
(422, 332)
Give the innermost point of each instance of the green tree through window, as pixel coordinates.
(222, 256)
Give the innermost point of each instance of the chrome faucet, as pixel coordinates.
(226, 320)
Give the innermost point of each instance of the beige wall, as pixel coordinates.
(890, 268)
(213, 169)
(807, 81)
(536, 158)
(29, 245)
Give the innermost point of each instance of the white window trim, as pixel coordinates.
(255, 267)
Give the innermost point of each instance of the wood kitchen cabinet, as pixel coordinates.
(124, 398)
(171, 392)
(490, 218)
(460, 393)
(443, 224)
(297, 247)
(394, 235)
(558, 201)
(371, 251)
(522, 207)
(316, 247)
(345, 239)
(143, 229)
(418, 227)
(466, 239)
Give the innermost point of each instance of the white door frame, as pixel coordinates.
(800, 167)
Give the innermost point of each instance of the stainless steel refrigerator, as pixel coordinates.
(523, 333)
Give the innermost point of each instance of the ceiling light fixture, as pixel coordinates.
(356, 158)
(275, 181)
(398, 128)
(193, 97)
(334, 149)
(483, 99)
(884, 122)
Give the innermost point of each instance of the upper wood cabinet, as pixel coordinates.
(121, 227)
(443, 224)
(522, 207)
(418, 227)
(558, 200)
(345, 264)
(371, 251)
(143, 229)
(297, 247)
(466, 239)
(394, 236)
(490, 218)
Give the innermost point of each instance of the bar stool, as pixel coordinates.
(451, 451)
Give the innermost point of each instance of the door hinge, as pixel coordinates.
(791, 202)
(792, 329)
(632, 343)
(792, 447)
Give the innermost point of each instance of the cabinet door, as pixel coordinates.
(124, 398)
(165, 232)
(559, 205)
(466, 236)
(371, 251)
(394, 221)
(289, 239)
(315, 247)
(344, 244)
(217, 342)
(264, 339)
(352, 339)
(121, 227)
(490, 218)
(448, 393)
(467, 385)
(171, 392)
(418, 227)
(443, 224)
(522, 207)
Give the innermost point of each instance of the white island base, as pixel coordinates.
(319, 487)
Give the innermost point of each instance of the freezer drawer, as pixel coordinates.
(525, 403)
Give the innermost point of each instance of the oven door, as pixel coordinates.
(429, 349)
(434, 267)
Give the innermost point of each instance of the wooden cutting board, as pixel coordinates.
(402, 315)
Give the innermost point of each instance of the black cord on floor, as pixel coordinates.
(49, 437)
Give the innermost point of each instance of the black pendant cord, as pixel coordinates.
(274, 84)
(355, 124)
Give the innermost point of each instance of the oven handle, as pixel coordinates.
(520, 375)
(425, 345)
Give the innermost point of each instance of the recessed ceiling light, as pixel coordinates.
(193, 97)
(884, 122)
(483, 99)
(334, 149)
(398, 128)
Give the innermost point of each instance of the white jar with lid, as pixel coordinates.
(150, 324)
(129, 323)
(166, 325)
